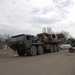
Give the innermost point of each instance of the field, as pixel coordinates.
(7, 53)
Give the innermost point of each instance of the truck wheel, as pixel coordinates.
(51, 49)
(40, 50)
(55, 48)
(33, 51)
(20, 53)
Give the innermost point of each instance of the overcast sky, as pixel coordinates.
(30, 16)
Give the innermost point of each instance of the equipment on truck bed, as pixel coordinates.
(61, 38)
(32, 45)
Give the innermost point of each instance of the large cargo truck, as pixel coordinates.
(33, 45)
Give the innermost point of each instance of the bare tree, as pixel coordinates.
(67, 34)
(3, 38)
(44, 30)
(47, 30)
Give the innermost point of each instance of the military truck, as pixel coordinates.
(33, 45)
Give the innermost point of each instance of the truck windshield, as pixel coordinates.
(17, 38)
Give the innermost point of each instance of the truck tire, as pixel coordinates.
(51, 48)
(55, 48)
(33, 51)
(40, 50)
(20, 53)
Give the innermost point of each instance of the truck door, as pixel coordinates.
(28, 41)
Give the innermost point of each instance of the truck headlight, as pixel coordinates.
(20, 42)
(10, 44)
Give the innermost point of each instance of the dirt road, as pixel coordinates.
(58, 63)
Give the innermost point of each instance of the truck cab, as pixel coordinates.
(21, 43)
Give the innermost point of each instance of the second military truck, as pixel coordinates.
(33, 45)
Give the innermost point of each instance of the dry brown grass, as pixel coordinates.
(6, 53)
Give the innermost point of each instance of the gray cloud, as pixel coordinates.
(5, 29)
(47, 9)
(62, 6)
(23, 13)
(35, 10)
(62, 3)
(59, 7)
(15, 11)
(8, 30)
(44, 10)
(41, 20)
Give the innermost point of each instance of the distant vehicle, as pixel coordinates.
(32, 45)
(65, 46)
(72, 48)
